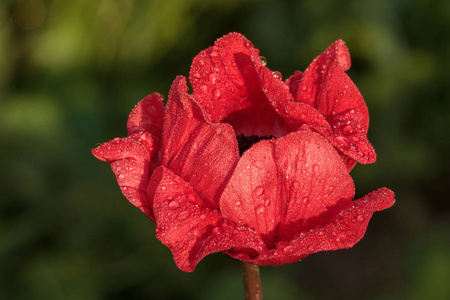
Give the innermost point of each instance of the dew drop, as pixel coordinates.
(196, 75)
(239, 238)
(248, 44)
(204, 89)
(296, 184)
(121, 176)
(183, 215)
(289, 249)
(259, 164)
(343, 141)
(263, 60)
(214, 53)
(203, 217)
(311, 248)
(281, 244)
(305, 199)
(216, 94)
(259, 190)
(212, 78)
(316, 168)
(191, 198)
(173, 204)
(201, 62)
(267, 202)
(260, 209)
(348, 130)
(277, 75)
(237, 203)
(360, 219)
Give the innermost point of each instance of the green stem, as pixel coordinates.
(252, 282)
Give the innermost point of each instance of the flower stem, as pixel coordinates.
(252, 282)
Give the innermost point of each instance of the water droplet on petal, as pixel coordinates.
(121, 176)
(196, 75)
(212, 78)
(343, 141)
(173, 204)
(259, 190)
(203, 217)
(259, 164)
(201, 62)
(267, 202)
(183, 215)
(289, 249)
(214, 53)
(239, 238)
(348, 130)
(260, 209)
(360, 219)
(191, 198)
(281, 244)
(305, 199)
(316, 168)
(216, 94)
(204, 89)
(277, 75)
(296, 184)
(311, 248)
(237, 203)
(263, 60)
(248, 44)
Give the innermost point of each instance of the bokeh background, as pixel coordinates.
(71, 71)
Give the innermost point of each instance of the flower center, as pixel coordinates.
(245, 142)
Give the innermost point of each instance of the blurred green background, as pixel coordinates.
(71, 71)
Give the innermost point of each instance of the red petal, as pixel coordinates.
(192, 231)
(201, 153)
(347, 228)
(147, 116)
(293, 82)
(130, 161)
(294, 114)
(326, 86)
(222, 75)
(278, 185)
(344, 230)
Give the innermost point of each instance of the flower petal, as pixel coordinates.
(326, 87)
(344, 230)
(192, 231)
(147, 116)
(347, 228)
(294, 114)
(200, 152)
(279, 185)
(293, 82)
(219, 75)
(130, 162)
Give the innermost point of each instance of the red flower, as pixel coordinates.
(288, 195)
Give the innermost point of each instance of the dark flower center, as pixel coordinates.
(245, 142)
